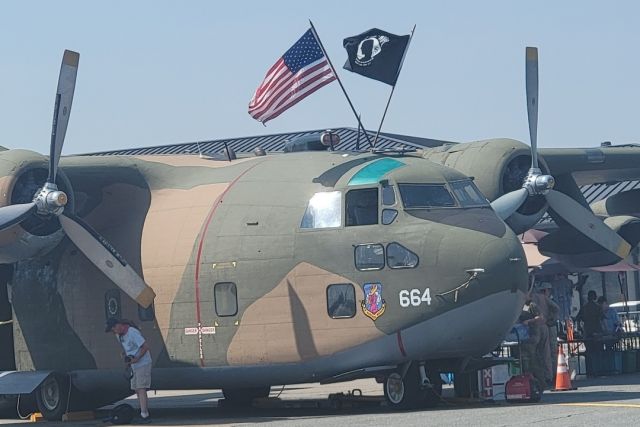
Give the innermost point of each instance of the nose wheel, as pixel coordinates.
(395, 390)
(410, 390)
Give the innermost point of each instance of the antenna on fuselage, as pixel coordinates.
(199, 150)
(231, 155)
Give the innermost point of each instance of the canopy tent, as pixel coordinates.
(542, 263)
(548, 265)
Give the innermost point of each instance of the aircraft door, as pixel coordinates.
(218, 312)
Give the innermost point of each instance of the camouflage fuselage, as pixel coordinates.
(187, 224)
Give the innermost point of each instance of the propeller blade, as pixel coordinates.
(62, 109)
(531, 68)
(587, 223)
(508, 203)
(13, 214)
(107, 259)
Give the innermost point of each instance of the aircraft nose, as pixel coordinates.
(504, 264)
(494, 264)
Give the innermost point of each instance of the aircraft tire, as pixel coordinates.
(244, 396)
(52, 396)
(403, 393)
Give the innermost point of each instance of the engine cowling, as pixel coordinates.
(498, 166)
(22, 173)
(625, 203)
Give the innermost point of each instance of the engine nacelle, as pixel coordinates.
(22, 173)
(511, 161)
(625, 203)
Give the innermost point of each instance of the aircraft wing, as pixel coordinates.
(573, 168)
(594, 165)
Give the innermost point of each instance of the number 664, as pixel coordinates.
(414, 297)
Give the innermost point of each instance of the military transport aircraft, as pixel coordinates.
(313, 265)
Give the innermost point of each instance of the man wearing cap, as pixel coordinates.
(136, 354)
(531, 360)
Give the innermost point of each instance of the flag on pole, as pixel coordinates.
(376, 54)
(302, 70)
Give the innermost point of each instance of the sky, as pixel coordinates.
(163, 72)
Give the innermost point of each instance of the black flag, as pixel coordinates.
(376, 54)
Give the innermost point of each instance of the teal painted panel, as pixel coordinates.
(373, 172)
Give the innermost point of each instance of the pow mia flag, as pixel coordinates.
(376, 54)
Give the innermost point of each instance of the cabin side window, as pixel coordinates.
(112, 306)
(341, 301)
(225, 295)
(146, 314)
(400, 257)
(361, 207)
(323, 211)
(369, 257)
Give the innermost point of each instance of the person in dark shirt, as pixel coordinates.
(591, 315)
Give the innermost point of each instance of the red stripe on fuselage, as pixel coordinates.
(203, 234)
(401, 344)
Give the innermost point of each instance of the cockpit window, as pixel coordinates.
(388, 195)
(324, 211)
(417, 196)
(468, 194)
(388, 216)
(361, 207)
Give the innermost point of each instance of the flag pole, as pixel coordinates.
(393, 88)
(315, 34)
(358, 138)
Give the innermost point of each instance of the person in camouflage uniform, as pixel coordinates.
(531, 360)
(548, 346)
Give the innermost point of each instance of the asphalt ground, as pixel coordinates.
(610, 401)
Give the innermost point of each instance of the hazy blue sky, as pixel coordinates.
(160, 72)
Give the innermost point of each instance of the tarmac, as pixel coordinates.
(610, 401)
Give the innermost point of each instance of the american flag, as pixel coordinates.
(302, 70)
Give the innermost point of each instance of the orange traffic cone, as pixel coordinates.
(563, 378)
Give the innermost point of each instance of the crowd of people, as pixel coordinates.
(540, 318)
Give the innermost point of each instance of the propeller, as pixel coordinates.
(49, 201)
(536, 183)
(14, 214)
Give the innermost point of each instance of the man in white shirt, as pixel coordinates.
(137, 355)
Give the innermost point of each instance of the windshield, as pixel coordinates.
(323, 211)
(467, 193)
(415, 196)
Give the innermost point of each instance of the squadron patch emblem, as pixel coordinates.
(373, 305)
